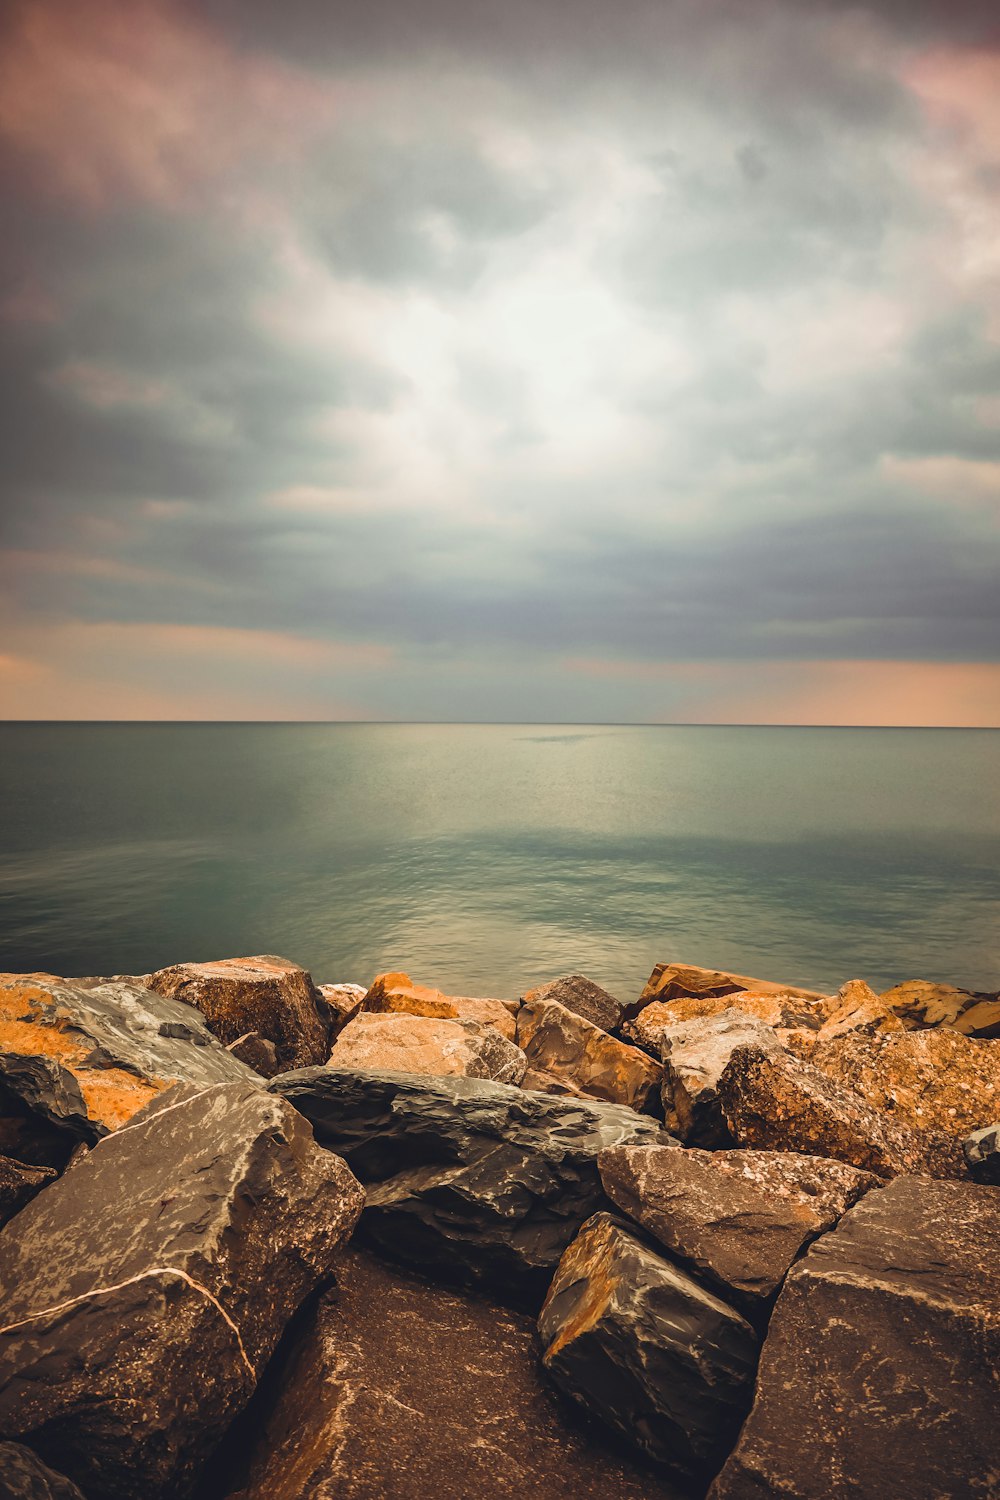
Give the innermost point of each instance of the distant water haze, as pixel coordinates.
(487, 858)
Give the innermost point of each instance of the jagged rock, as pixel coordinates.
(858, 1010)
(257, 1052)
(547, 1083)
(583, 997)
(562, 1044)
(736, 1218)
(878, 1380)
(646, 1349)
(19, 1183)
(343, 1002)
(393, 1388)
(920, 1004)
(680, 981)
(23, 1476)
(397, 992)
(423, 1044)
(264, 994)
(785, 1014)
(981, 1150)
(695, 1055)
(146, 1289)
(478, 1181)
(777, 1102)
(79, 1057)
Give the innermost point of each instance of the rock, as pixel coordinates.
(449, 1386)
(785, 1014)
(145, 1290)
(583, 997)
(78, 1057)
(397, 992)
(695, 1055)
(646, 1349)
(19, 1183)
(981, 1150)
(920, 1004)
(680, 981)
(738, 1219)
(421, 1044)
(564, 1045)
(264, 994)
(480, 1182)
(23, 1476)
(257, 1052)
(878, 1380)
(777, 1102)
(857, 1008)
(547, 1083)
(343, 1002)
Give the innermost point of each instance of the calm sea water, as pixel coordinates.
(486, 858)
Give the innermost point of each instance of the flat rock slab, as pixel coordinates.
(695, 1055)
(428, 1044)
(680, 981)
(561, 1044)
(646, 1349)
(397, 992)
(264, 994)
(736, 1218)
(474, 1181)
(396, 1390)
(919, 1003)
(880, 1377)
(144, 1291)
(23, 1476)
(583, 997)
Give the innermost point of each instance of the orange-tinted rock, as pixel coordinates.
(858, 1010)
(919, 1004)
(680, 981)
(695, 1055)
(541, 1082)
(583, 997)
(344, 1001)
(264, 994)
(785, 1014)
(559, 1043)
(397, 992)
(428, 1045)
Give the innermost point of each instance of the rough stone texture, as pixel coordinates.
(79, 1057)
(477, 1181)
(583, 997)
(880, 1377)
(785, 1014)
(736, 1218)
(645, 1348)
(695, 1055)
(343, 1002)
(778, 1102)
(257, 1052)
(423, 1044)
(268, 995)
(23, 1476)
(19, 1183)
(145, 1290)
(858, 1010)
(982, 1154)
(395, 1390)
(547, 1083)
(920, 1004)
(680, 981)
(558, 1042)
(397, 992)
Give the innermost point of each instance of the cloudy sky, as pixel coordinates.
(536, 360)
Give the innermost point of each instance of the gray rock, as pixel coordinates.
(583, 997)
(19, 1183)
(695, 1055)
(23, 1476)
(476, 1181)
(982, 1154)
(646, 1349)
(145, 1290)
(564, 1046)
(880, 1377)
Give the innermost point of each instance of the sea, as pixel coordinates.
(486, 858)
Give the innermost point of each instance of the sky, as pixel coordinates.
(552, 360)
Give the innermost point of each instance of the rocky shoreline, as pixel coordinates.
(268, 1238)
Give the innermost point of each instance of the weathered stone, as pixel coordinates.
(680, 981)
(695, 1055)
(145, 1290)
(343, 1002)
(920, 1004)
(777, 1102)
(79, 1057)
(19, 1183)
(423, 1044)
(397, 992)
(785, 1014)
(257, 1052)
(858, 1010)
(737, 1218)
(879, 1377)
(23, 1476)
(642, 1346)
(264, 994)
(583, 997)
(547, 1083)
(393, 1388)
(477, 1181)
(558, 1042)
(981, 1150)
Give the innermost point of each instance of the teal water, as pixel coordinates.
(486, 858)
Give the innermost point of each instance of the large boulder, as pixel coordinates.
(397, 992)
(646, 1349)
(583, 997)
(695, 1056)
(269, 996)
(144, 1292)
(982, 1154)
(738, 1219)
(856, 1009)
(393, 1388)
(562, 1045)
(686, 981)
(23, 1476)
(476, 1181)
(919, 1004)
(423, 1044)
(785, 1014)
(880, 1377)
(79, 1057)
(19, 1183)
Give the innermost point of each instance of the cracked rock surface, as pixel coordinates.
(23, 1476)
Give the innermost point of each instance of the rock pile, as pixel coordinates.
(756, 1225)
